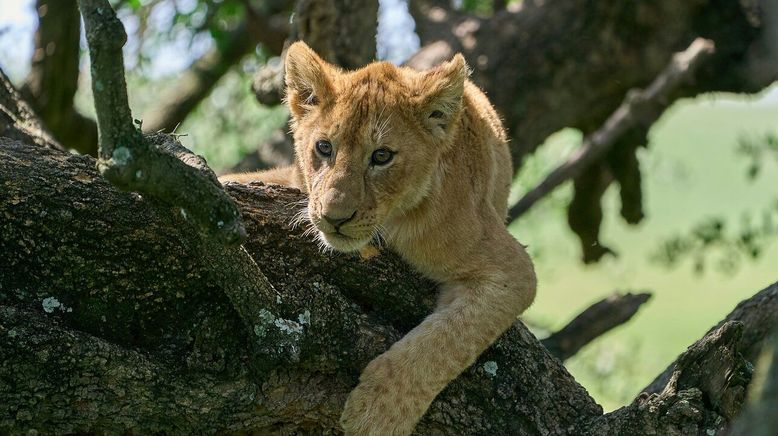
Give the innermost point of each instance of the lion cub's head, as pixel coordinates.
(368, 142)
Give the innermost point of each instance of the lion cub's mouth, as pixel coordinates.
(340, 242)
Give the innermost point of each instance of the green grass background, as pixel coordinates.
(692, 171)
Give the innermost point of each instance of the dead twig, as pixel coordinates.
(596, 320)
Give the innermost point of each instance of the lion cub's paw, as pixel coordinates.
(379, 405)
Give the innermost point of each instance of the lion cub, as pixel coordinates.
(420, 157)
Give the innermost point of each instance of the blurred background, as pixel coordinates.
(696, 227)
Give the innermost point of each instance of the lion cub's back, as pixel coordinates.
(488, 144)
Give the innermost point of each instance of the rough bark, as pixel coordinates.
(697, 400)
(133, 273)
(152, 327)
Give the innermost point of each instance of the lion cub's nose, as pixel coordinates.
(336, 221)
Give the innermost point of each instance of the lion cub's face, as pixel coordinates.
(368, 142)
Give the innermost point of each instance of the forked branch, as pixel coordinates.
(156, 165)
(639, 107)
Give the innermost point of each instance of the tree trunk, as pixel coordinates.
(118, 316)
(152, 328)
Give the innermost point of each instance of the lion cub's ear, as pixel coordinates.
(441, 90)
(308, 82)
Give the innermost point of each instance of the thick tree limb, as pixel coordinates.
(157, 291)
(639, 108)
(156, 165)
(759, 315)
(593, 322)
(706, 390)
(167, 311)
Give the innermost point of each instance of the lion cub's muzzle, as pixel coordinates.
(342, 232)
(337, 216)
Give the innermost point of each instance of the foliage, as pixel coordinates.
(166, 28)
(230, 123)
(758, 150)
(711, 241)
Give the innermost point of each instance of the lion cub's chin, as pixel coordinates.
(343, 243)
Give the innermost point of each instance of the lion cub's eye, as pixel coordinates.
(324, 148)
(382, 156)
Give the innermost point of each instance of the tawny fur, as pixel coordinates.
(440, 203)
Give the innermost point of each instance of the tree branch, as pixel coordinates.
(639, 108)
(148, 283)
(168, 311)
(705, 392)
(596, 320)
(17, 120)
(114, 389)
(156, 165)
(758, 314)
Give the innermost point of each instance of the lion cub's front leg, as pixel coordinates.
(397, 387)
